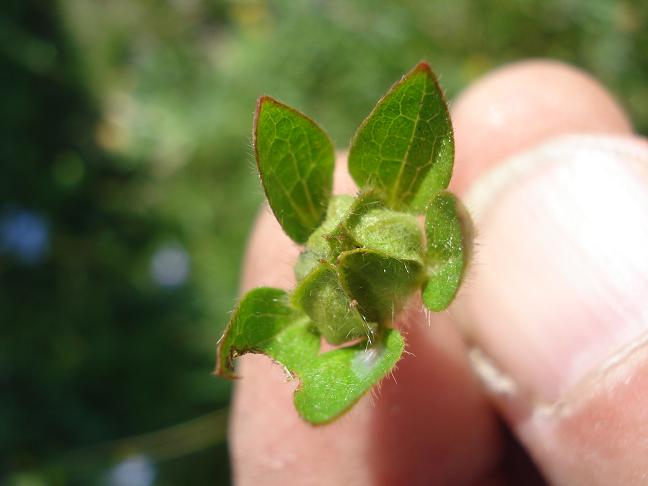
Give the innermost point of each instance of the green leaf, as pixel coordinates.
(365, 222)
(318, 247)
(394, 234)
(331, 382)
(336, 234)
(322, 297)
(405, 147)
(378, 283)
(256, 326)
(296, 159)
(337, 379)
(449, 234)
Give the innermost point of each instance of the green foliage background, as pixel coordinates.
(125, 126)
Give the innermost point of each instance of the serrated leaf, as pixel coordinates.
(405, 147)
(378, 283)
(296, 159)
(448, 230)
(331, 382)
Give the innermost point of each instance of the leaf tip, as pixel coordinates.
(261, 100)
(224, 368)
(222, 372)
(225, 354)
(424, 67)
(267, 99)
(260, 103)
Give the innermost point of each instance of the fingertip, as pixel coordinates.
(598, 434)
(521, 105)
(429, 423)
(556, 303)
(342, 181)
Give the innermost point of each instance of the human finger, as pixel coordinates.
(428, 424)
(555, 304)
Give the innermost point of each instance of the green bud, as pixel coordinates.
(379, 283)
(335, 315)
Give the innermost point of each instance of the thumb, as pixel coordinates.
(556, 307)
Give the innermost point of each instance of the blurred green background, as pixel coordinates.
(127, 190)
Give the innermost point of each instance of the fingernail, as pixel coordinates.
(559, 283)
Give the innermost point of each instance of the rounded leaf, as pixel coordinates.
(296, 159)
(449, 233)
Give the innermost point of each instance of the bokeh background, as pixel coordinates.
(127, 190)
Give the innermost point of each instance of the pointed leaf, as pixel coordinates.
(449, 234)
(295, 158)
(331, 382)
(405, 147)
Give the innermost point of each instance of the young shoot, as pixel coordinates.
(362, 257)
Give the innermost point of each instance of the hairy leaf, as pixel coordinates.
(318, 247)
(331, 382)
(337, 379)
(322, 297)
(449, 233)
(405, 147)
(295, 158)
(257, 326)
(378, 283)
(394, 234)
(319, 241)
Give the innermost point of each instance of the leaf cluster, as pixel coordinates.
(363, 257)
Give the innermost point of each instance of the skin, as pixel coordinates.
(544, 346)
